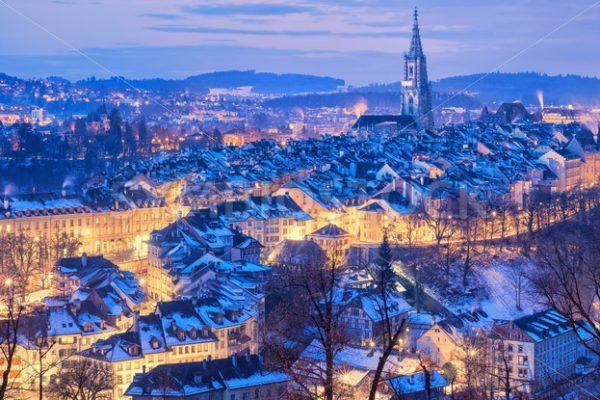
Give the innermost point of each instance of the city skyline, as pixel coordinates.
(359, 41)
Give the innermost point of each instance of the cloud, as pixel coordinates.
(356, 67)
(247, 9)
(239, 31)
(163, 16)
(275, 32)
(184, 61)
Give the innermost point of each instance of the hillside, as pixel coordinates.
(466, 90)
(501, 87)
(262, 82)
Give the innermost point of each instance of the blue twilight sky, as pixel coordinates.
(361, 41)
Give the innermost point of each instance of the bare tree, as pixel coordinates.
(426, 378)
(19, 261)
(473, 359)
(469, 229)
(26, 258)
(37, 341)
(385, 281)
(164, 382)
(439, 221)
(568, 275)
(500, 369)
(10, 331)
(502, 210)
(83, 380)
(307, 302)
(518, 274)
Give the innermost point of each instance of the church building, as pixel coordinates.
(416, 97)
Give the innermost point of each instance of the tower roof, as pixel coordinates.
(416, 49)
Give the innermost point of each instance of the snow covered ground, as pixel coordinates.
(492, 288)
(500, 283)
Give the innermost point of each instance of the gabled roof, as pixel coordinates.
(415, 383)
(195, 378)
(369, 121)
(330, 230)
(544, 325)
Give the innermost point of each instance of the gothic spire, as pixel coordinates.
(416, 49)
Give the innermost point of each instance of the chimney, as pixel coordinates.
(234, 361)
(136, 321)
(6, 204)
(63, 192)
(84, 260)
(75, 305)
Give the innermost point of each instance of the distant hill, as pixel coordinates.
(460, 91)
(501, 87)
(262, 82)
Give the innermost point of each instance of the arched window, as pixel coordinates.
(411, 71)
(411, 105)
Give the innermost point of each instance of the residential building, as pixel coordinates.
(234, 378)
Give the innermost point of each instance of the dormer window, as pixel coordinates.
(232, 315)
(193, 333)
(180, 334)
(133, 350)
(155, 343)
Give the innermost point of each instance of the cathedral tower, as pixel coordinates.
(416, 99)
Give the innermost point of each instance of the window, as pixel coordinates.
(522, 373)
(520, 348)
(523, 360)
